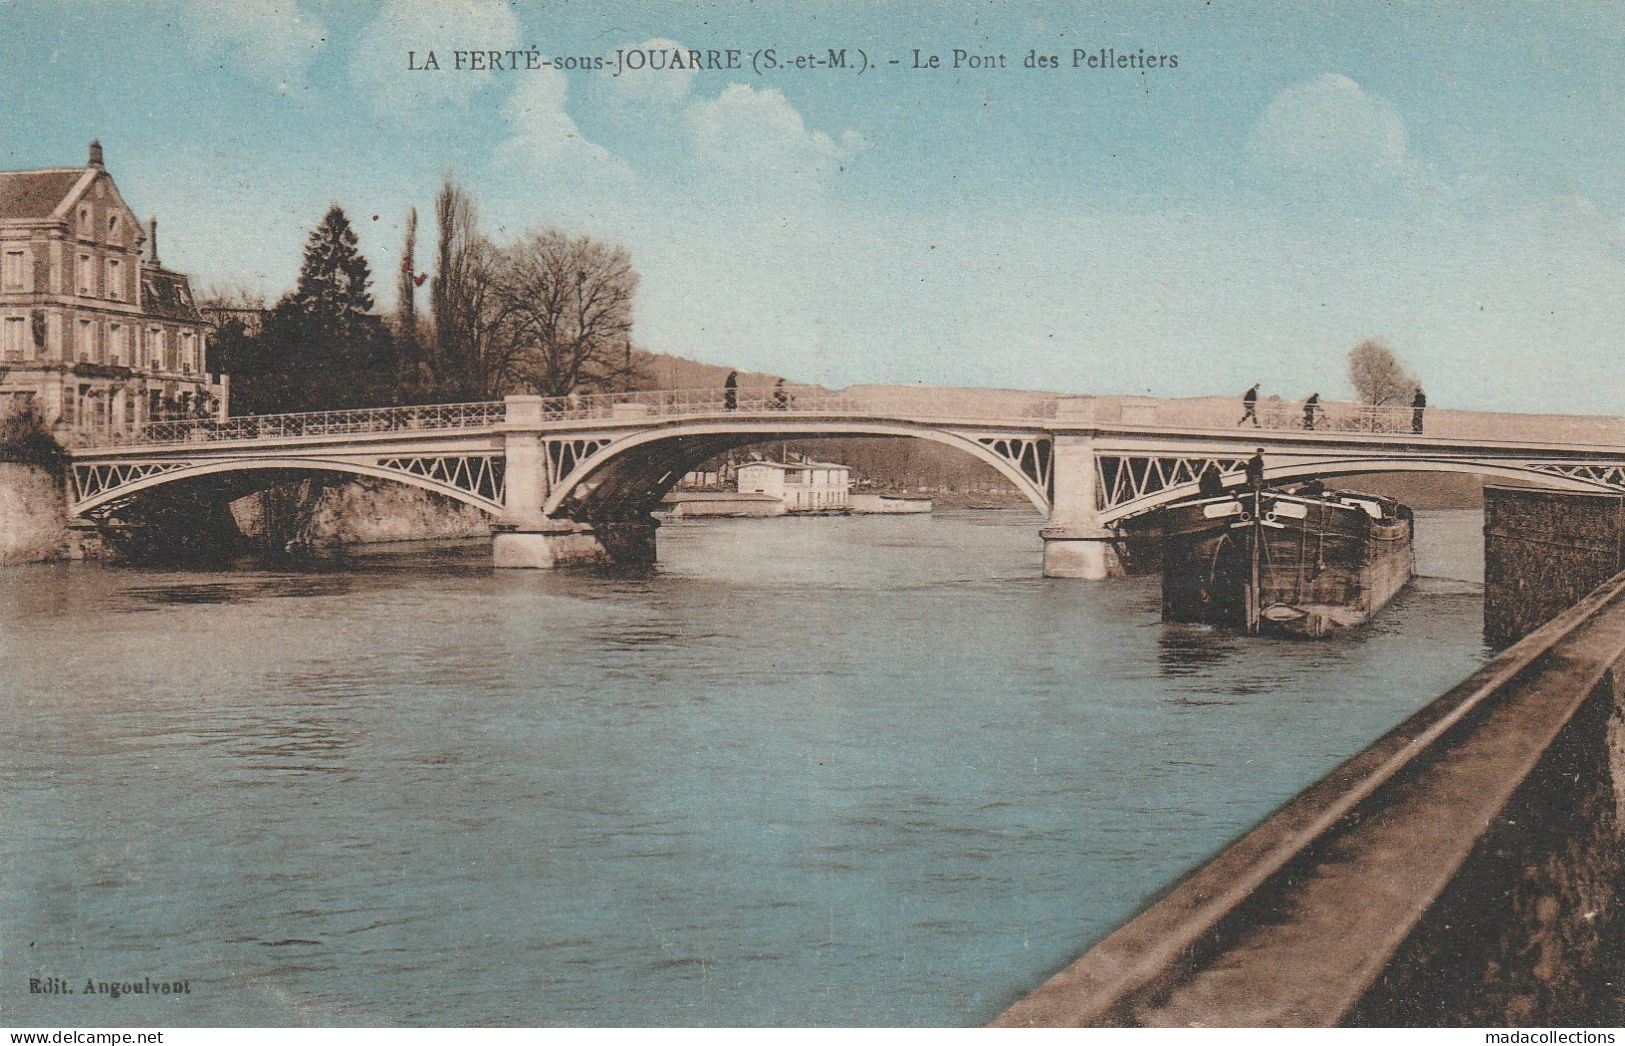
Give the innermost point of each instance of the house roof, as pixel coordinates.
(35, 194)
(167, 294)
(796, 466)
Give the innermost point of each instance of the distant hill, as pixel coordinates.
(659, 370)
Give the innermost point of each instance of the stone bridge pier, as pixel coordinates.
(1076, 544)
(525, 537)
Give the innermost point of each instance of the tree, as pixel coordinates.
(415, 380)
(408, 304)
(1377, 375)
(320, 348)
(465, 361)
(332, 292)
(564, 310)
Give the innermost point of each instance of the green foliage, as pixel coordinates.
(26, 440)
(321, 348)
(332, 294)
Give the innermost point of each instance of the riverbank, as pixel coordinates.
(34, 527)
(33, 517)
(356, 512)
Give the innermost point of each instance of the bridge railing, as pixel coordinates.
(1340, 417)
(308, 423)
(663, 403)
(1272, 414)
(682, 402)
(785, 399)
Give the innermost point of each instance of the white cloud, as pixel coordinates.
(378, 65)
(545, 136)
(272, 41)
(760, 134)
(1331, 130)
(645, 92)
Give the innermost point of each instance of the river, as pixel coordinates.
(870, 770)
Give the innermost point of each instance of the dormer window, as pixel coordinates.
(84, 223)
(112, 229)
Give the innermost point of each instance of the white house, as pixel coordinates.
(803, 486)
(94, 332)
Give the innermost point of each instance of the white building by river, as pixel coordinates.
(804, 486)
(94, 331)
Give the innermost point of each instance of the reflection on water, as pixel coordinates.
(837, 771)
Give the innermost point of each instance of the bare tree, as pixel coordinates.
(468, 359)
(1377, 375)
(565, 312)
(229, 294)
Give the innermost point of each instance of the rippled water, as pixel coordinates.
(827, 771)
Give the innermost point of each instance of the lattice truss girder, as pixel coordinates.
(1120, 479)
(1608, 474)
(92, 480)
(482, 475)
(1030, 455)
(563, 455)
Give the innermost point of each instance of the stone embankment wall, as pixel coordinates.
(368, 511)
(33, 527)
(1464, 870)
(1543, 551)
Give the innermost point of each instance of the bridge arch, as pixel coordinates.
(626, 477)
(1333, 468)
(168, 473)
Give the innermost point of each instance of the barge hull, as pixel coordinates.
(1322, 564)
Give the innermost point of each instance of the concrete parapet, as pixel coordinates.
(1076, 411)
(522, 412)
(1462, 870)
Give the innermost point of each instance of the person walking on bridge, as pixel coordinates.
(730, 391)
(1418, 405)
(1249, 406)
(781, 397)
(1310, 407)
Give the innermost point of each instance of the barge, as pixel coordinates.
(1305, 561)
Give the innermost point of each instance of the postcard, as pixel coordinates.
(729, 514)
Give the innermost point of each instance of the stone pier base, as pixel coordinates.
(565, 544)
(1081, 552)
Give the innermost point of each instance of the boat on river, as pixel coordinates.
(1305, 561)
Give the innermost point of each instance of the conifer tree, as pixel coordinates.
(333, 281)
(328, 351)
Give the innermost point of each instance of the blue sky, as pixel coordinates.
(1443, 176)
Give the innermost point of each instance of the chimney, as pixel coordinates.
(152, 237)
(96, 152)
